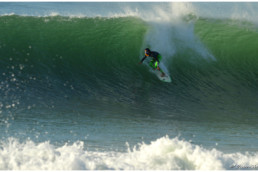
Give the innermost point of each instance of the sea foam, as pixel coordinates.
(163, 154)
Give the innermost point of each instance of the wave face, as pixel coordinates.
(58, 55)
(96, 59)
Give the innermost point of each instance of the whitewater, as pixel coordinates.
(73, 96)
(162, 154)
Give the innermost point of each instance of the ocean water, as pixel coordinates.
(73, 96)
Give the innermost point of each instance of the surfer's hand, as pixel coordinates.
(140, 62)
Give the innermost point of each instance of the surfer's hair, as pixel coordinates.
(147, 49)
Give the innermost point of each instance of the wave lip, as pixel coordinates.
(163, 154)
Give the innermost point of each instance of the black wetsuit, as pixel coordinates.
(154, 56)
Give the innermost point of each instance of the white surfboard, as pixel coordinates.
(165, 78)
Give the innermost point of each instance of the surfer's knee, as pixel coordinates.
(156, 64)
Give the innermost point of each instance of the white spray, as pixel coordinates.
(169, 31)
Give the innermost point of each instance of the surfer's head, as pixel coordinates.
(147, 51)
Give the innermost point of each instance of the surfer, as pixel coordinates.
(156, 58)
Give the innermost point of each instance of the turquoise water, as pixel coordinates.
(73, 95)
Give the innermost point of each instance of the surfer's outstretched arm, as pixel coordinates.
(143, 59)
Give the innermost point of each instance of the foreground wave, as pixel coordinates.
(163, 154)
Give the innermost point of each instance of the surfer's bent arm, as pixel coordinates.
(157, 59)
(155, 56)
